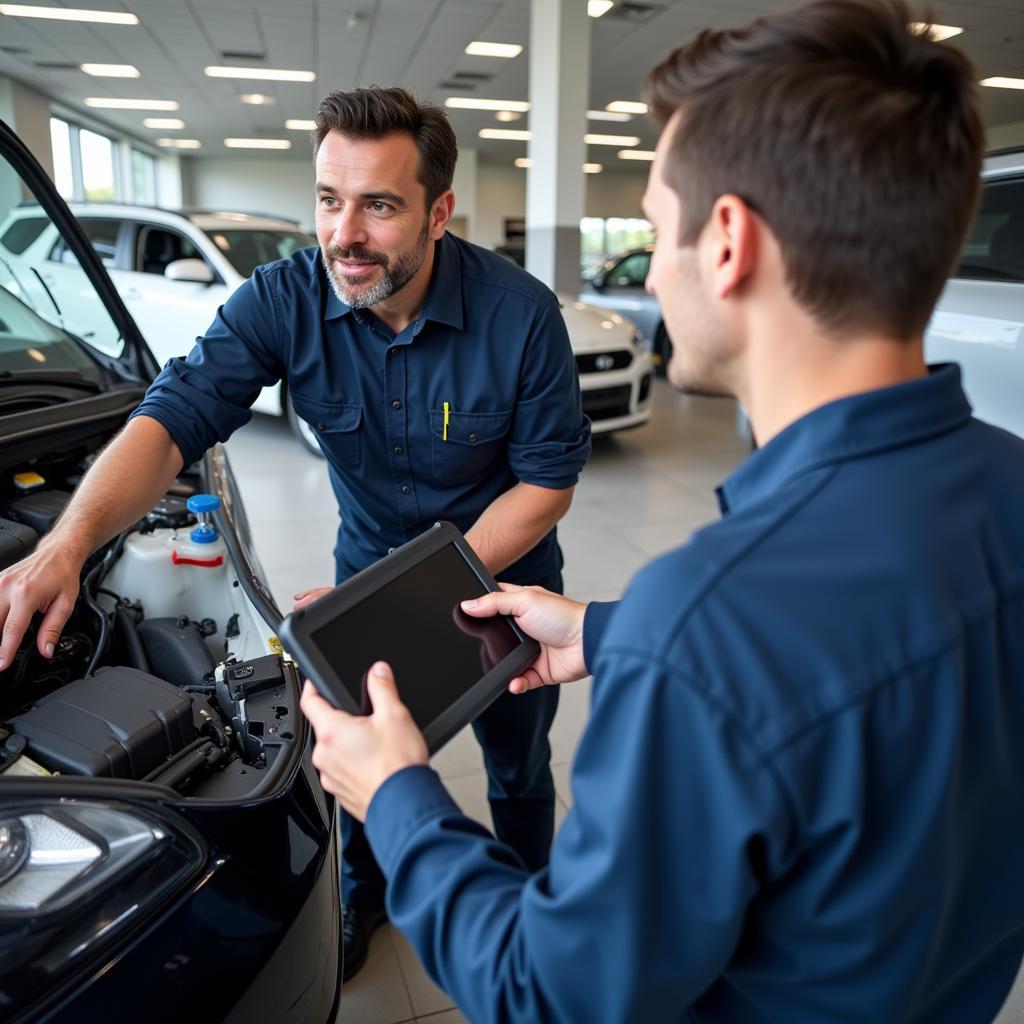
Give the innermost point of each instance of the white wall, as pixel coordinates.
(28, 113)
(1005, 135)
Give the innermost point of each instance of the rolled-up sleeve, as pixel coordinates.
(550, 437)
(205, 396)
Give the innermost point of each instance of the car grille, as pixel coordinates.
(599, 362)
(607, 403)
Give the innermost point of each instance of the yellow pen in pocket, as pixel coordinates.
(444, 433)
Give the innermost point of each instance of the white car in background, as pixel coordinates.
(979, 319)
(172, 269)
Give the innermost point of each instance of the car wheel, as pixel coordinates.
(303, 431)
(662, 350)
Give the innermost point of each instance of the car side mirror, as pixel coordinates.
(189, 270)
(598, 282)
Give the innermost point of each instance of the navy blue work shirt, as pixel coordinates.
(799, 794)
(490, 342)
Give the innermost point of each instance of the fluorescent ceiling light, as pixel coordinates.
(505, 133)
(937, 32)
(507, 50)
(1003, 83)
(171, 123)
(113, 103)
(507, 115)
(592, 139)
(258, 143)
(179, 143)
(257, 99)
(472, 103)
(260, 74)
(295, 124)
(636, 154)
(593, 168)
(626, 107)
(523, 161)
(110, 70)
(595, 8)
(608, 115)
(68, 14)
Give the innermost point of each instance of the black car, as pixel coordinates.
(166, 850)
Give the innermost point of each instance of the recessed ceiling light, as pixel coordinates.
(505, 133)
(523, 161)
(636, 154)
(110, 70)
(260, 74)
(167, 123)
(626, 107)
(936, 32)
(593, 168)
(595, 8)
(507, 50)
(591, 139)
(69, 14)
(608, 115)
(1003, 83)
(113, 103)
(295, 124)
(179, 143)
(507, 115)
(257, 99)
(472, 103)
(258, 143)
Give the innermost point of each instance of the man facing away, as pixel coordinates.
(798, 796)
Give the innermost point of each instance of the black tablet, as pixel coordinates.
(405, 610)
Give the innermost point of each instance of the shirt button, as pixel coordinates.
(406, 489)
(398, 451)
(472, 438)
(396, 404)
(319, 424)
(393, 351)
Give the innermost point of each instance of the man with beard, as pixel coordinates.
(798, 796)
(441, 383)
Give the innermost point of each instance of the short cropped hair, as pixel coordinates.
(373, 113)
(854, 136)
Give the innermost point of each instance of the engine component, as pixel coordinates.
(250, 694)
(38, 509)
(176, 649)
(171, 510)
(119, 723)
(16, 541)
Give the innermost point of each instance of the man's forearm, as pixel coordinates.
(126, 481)
(515, 521)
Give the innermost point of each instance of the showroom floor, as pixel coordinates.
(642, 492)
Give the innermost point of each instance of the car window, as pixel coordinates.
(101, 232)
(994, 250)
(159, 247)
(249, 248)
(22, 233)
(631, 272)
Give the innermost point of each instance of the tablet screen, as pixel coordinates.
(415, 623)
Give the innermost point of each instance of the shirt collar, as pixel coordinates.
(849, 428)
(444, 297)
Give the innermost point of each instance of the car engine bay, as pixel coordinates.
(165, 672)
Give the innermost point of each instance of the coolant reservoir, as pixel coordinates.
(177, 572)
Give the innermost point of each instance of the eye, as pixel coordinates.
(379, 206)
(325, 200)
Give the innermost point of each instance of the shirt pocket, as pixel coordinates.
(475, 442)
(338, 429)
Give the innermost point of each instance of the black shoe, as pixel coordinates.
(356, 928)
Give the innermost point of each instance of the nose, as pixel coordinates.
(349, 228)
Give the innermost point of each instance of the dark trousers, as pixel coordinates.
(513, 734)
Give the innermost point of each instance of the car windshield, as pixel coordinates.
(248, 248)
(45, 300)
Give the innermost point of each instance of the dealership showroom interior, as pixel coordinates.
(480, 536)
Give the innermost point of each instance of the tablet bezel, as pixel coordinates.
(298, 629)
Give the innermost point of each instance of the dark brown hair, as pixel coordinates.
(855, 137)
(373, 113)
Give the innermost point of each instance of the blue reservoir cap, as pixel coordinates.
(203, 503)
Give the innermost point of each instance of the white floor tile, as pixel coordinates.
(377, 994)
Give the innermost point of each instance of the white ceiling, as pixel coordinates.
(415, 43)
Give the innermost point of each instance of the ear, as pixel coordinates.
(441, 213)
(733, 235)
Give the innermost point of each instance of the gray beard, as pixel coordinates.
(394, 278)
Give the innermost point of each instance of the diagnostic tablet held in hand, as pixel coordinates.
(405, 610)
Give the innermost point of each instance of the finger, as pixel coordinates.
(503, 602)
(53, 622)
(14, 629)
(529, 680)
(380, 684)
(319, 712)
